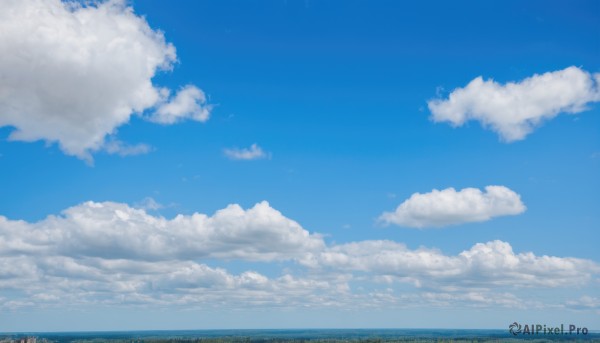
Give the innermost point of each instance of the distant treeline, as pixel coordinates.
(72, 339)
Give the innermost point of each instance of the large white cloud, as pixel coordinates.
(73, 74)
(485, 265)
(115, 230)
(449, 207)
(112, 254)
(67, 281)
(514, 109)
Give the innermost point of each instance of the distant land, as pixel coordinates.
(292, 335)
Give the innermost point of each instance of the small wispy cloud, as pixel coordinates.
(117, 147)
(254, 152)
(148, 204)
(188, 104)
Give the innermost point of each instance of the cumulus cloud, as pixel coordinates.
(485, 265)
(253, 153)
(450, 207)
(112, 254)
(67, 281)
(115, 230)
(515, 109)
(189, 103)
(72, 74)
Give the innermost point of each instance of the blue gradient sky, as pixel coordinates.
(337, 92)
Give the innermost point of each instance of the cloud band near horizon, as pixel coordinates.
(112, 253)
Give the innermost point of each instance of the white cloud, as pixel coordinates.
(115, 230)
(189, 103)
(464, 299)
(584, 303)
(513, 110)
(253, 153)
(148, 204)
(451, 207)
(114, 146)
(66, 281)
(112, 254)
(73, 74)
(485, 265)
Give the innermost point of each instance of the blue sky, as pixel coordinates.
(339, 98)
